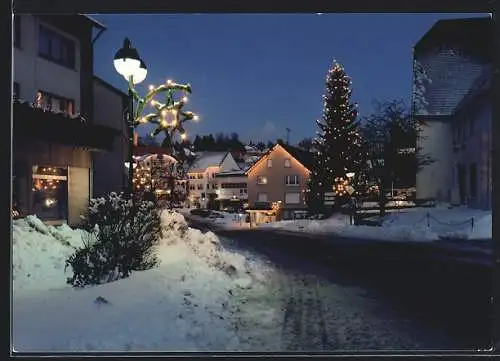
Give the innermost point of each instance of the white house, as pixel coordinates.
(53, 115)
(452, 85)
(201, 175)
(231, 188)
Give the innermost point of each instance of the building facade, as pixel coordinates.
(232, 189)
(201, 176)
(452, 77)
(280, 176)
(109, 172)
(54, 133)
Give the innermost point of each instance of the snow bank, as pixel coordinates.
(413, 224)
(186, 304)
(40, 252)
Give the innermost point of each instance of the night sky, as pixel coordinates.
(258, 74)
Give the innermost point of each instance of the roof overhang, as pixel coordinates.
(94, 22)
(469, 35)
(266, 154)
(36, 123)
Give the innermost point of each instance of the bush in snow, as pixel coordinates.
(122, 235)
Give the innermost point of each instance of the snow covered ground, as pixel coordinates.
(412, 224)
(184, 304)
(205, 296)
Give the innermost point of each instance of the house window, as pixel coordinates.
(262, 197)
(15, 91)
(56, 47)
(50, 192)
(287, 163)
(200, 175)
(191, 187)
(200, 187)
(269, 163)
(292, 180)
(17, 31)
(261, 179)
(55, 103)
(292, 198)
(473, 181)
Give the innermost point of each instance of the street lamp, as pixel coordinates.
(351, 190)
(128, 64)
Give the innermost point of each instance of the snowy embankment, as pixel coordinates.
(187, 303)
(222, 219)
(413, 224)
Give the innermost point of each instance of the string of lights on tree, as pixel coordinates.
(142, 179)
(339, 146)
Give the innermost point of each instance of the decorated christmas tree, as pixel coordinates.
(338, 146)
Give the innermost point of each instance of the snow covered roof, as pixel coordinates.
(207, 159)
(249, 148)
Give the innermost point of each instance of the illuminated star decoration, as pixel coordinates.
(169, 116)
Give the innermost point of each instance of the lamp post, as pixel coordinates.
(351, 190)
(128, 64)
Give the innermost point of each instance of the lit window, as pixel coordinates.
(50, 192)
(269, 163)
(261, 180)
(287, 163)
(55, 103)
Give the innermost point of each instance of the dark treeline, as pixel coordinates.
(222, 142)
(219, 142)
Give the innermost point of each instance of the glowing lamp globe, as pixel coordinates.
(140, 74)
(127, 60)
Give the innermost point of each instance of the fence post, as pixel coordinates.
(472, 223)
(428, 220)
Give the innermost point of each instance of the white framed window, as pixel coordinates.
(261, 179)
(287, 163)
(292, 198)
(292, 180)
(269, 163)
(262, 197)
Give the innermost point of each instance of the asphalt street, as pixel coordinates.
(405, 298)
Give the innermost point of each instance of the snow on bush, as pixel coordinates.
(122, 236)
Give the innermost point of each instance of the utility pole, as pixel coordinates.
(288, 135)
